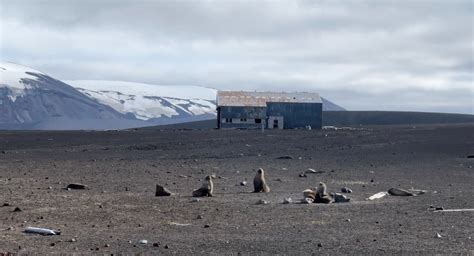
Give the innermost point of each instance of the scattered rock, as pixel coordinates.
(348, 220)
(338, 198)
(287, 200)
(156, 244)
(196, 200)
(320, 245)
(207, 226)
(162, 191)
(400, 192)
(285, 157)
(302, 175)
(261, 201)
(73, 240)
(346, 190)
(143, 241)
(307, 200)
(17, 209)
(199, 217)
(5, 204)
(243, 183)
(438, 235)
(313, 171)
(75, 186)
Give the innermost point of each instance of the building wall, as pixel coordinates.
(294, 115)
(297, 115)
(242, 117)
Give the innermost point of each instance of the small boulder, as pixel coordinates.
(162, 191)
(76, 186)
(287, 200)
(338, 198)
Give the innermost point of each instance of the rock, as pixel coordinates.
(287, 200)
(199, 217)
(196, 200)
(73, 240)
(346, 190)
(307, 200)
(243, 183)
(338, 198)
(75, 186)
(320, 245)
(156, 244)
(143, 241)
(439, 208)
(261, 201)
(400, 192)
(17, 209)
(438, 235)
(207, 226)
(162, 191)
(285, 157)
(302, 175)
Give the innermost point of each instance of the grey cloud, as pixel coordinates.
(358, 52)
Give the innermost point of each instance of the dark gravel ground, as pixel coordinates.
(121, 169)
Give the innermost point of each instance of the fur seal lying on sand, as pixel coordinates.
(259, 183)
(322, 196)
(400, 192)
(206, 188)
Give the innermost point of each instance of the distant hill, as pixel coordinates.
(356, 118)
(331, 106)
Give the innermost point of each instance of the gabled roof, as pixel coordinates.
(260, 99)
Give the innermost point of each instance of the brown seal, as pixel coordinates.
(206, 188)
(259, 183)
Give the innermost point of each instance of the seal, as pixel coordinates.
(322, 196)
(206, 189)
(400, 192)
(259, 183)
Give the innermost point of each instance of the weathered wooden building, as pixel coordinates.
(271, 110)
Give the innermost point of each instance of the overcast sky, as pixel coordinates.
(413, 55)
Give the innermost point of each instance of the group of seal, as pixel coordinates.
(317, 195)
(259, 185)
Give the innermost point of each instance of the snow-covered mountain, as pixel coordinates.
(151, 102)
(30, 99)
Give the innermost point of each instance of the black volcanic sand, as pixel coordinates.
(121, 169)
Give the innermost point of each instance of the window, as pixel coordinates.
(243, 119)
(258, 121)
(228, 120)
